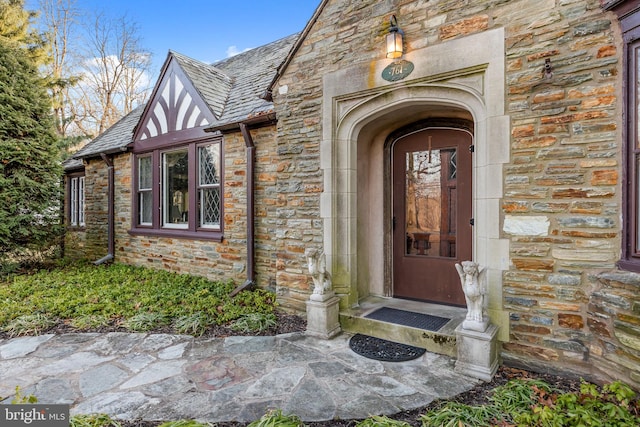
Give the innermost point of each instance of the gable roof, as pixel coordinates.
(213, 85)
(252, 72)
(231, 88)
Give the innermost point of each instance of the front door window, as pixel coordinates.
(431, 215)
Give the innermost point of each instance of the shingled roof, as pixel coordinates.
(232, 88)
(213, 85)
(114, 139)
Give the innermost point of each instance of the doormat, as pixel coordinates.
(383, 350)
(408, 318)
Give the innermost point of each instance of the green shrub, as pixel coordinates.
(536, 403)
(142, 322)
(518, 395)
(93, 420)
(455, 414)
(193, 324)
(89, 297)
(275, 418)
(381, 421)
(90, 321)
(614, 405)
(28, 324)
(254, 322)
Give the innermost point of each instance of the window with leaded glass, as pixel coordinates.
(209, 186)
(178, 190)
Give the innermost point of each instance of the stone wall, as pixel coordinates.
(90, 242)
(562, 197)
(224, 260)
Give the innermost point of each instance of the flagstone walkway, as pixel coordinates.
(171, 377)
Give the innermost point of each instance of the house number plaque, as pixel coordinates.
(397, 70)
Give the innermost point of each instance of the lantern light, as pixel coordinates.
(394, 39)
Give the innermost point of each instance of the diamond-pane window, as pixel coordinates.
(210, 207)
(209, 186)
(178, 189)
(453, 165)
(208, 158)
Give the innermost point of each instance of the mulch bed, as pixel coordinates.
(287, 323)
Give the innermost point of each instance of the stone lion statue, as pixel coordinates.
(474, 288)
(317, 263)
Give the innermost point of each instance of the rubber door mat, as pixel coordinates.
(427, 322)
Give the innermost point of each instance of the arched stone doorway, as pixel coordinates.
(359, 116)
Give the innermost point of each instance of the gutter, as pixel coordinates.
(251, 250)
(111, 236)
(250, 172)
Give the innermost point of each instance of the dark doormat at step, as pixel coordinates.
(383, 350)
(408, 318)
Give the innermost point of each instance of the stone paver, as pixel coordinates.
(170, 377)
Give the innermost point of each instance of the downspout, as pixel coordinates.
(111, 235)
(251, 149)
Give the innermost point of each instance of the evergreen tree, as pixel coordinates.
(30, 171)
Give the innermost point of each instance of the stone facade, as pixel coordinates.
(557, 295)
(561, 204)
(90, 242)
(224, 260)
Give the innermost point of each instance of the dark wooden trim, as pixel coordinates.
(178, 234)
(193, 231)
(172, 70)
(629, 13)
(623, 8)
(170, 139)
(628, 265)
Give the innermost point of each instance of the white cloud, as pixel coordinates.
(233, 50)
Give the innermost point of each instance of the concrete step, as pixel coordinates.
(441, 342)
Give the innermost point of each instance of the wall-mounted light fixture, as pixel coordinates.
(394, 39)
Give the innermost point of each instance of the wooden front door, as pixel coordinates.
(432, 214)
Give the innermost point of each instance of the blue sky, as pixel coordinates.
(206, 30)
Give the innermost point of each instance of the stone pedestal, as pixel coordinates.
(322, 315)
(477, 352)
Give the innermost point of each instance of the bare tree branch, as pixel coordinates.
(59, 18)
(115, 72)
